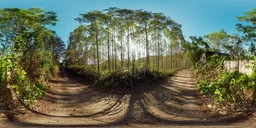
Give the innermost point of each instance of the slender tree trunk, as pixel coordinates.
(101, 55)
(158, 50)
(162, 58)
(147, 47)
(115, 53)
(115, 58)
(166, 61)
(113, 66)
(176, 60)
(156, 58)
(171, 58)
(128, 48)
(133, 63)
(94, 57)
(85, 57)
(109, 68)
(166, 58)
(122, 48)
(97, 48)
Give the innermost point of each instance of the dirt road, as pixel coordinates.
(174, 102)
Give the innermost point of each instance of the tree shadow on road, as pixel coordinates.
(163, 103)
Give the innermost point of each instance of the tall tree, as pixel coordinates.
(235, 48)
(109, 21)
(247, 26)
(158, 23)
(143, 18)
(93, 18)
(216, 40)
(127, 15)
(124, 31)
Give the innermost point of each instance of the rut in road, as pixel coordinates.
(70, 103)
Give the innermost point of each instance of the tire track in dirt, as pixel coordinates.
(69, 103)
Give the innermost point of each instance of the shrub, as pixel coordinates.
(25, 89)
(119, 78)
(229, 87)
(211, 68)
(28, 81)
(127, 79)
(5, 66)
(83, 71)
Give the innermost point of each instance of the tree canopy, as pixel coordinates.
(108, 40)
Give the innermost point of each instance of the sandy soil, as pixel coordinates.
(173, 103)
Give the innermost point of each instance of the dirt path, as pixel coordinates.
(174, 102)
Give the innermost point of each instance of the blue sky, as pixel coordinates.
(198, 17)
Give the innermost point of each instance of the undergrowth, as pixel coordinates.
(27, 87)
(222, 86)
(120, 78)
(141, 78)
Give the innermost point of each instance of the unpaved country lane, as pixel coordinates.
(173, 102)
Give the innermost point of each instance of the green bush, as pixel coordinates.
(27, 86)
(25, 89)
(5, 66)
(83, 72)
(229, 87)
(141, 78)
(210, 68)
(119, 78)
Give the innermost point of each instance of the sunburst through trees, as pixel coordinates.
(126, 40)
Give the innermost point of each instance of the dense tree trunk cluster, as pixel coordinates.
(123, 39)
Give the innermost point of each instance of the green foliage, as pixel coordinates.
(141, 78)
(216, 40)
(83, 72)
(116, 39)
(247, 27)
(29, 53)
(5, 65)
(211, 67)
(12, 73)
(44, 64)
(119, 78)
(195, 49)
(222, 86)
(253, 67)
(28, 91)
(229, 87)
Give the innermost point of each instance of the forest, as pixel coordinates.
(124, 43)
(124, 50)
